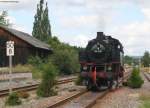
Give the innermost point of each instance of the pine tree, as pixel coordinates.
(42, 28)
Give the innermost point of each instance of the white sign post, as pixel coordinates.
(10, 53)
(149, 68)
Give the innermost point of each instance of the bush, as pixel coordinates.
(36, 72)
(135, 81)
(46, 88)
(66, 60)
(35, 61)
(36, 68)
(79, 80)
(24, 95)
(13, 99)
(65, 57)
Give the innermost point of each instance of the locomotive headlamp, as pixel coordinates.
(84, 67)
(109, 68)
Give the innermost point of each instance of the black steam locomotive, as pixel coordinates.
(102, 62)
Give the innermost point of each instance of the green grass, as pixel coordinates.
(145, 98)
(145, 104)
(17, 69)
(36, 73)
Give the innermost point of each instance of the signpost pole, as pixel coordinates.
(10, 53)
(149, 68)
(10, 74)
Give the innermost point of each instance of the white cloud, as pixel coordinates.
(11, 19)
(79, 21)
(76, 14)
(80, 40)
(21, 28)
(24, 5)
(135, 37)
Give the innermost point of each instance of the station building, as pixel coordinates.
(25, 45)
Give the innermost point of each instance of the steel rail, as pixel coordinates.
(147, 76)
(31, 87)
(88, 105)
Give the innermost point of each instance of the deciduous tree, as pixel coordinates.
(3, 19)
(146, 59)
(41, 26)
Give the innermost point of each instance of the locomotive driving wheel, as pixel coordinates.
(110, 84)
(92, 86)
(89, 84)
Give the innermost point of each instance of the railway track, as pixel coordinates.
(147, 75)
(5, 76)
(84, 99)
(5, 92)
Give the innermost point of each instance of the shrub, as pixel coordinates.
(46, 88)
(24, 95)
(37, 64)
(135, 81)
(79, 80)
(66, 60)
(13, 99)
(36, 72)
(35, 61)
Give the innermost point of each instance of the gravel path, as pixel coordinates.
(64, 90)
(124, 97)
(24, 82)
(17, 83)
(5, 76)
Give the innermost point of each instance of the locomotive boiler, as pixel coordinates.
(102, 62)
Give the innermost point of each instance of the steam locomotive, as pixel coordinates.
(102, 62)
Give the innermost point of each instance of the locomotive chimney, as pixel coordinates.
(100, 35)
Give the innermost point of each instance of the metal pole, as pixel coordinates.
(149, 68)
(10, 74)
(139, 63)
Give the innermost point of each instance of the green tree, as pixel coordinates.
(3, 19)
(128, 60)
(65, 57)
(41, 26)
(66, 60)
(146, 59)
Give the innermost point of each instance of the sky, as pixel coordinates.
(77, 21)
